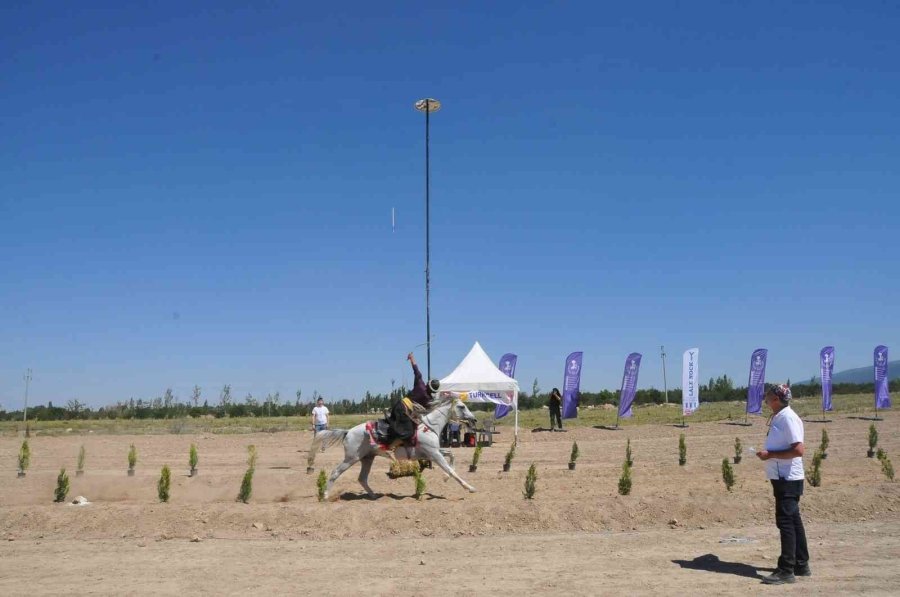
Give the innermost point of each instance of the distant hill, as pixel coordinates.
(861, 374)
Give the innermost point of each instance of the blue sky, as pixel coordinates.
(203, 195)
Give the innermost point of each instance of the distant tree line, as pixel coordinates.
(168, 406)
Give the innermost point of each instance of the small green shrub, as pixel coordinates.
(81, 455)
(62, 486)
(738, 448)
(625, 480)
(727, 474)
(507, 460)
(887, 468)
(814, 477)
(628, 452)
(823, 446)
(574, 455)
(132, 457)
(880, 454)
(251, 456)
(531, 481)
(193, 459)
(246, 486)
(682, 450)
(873, 436)
(476, 455)
(24, 456)
(420, 484)
(164, 483)
(321, 484)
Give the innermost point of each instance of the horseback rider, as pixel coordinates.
(403, 425)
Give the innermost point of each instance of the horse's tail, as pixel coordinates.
(322, 440)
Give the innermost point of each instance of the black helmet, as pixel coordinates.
(434, 385)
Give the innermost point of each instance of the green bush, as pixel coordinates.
(251, 456)
(815, 475)
(81, 455)
(531, 481)
(24, 456)
(625, 480)
(62, 486)
(887, 468)
(738, 448)
(574, 455)
(476, 455)
(727, 474)
(193, 459)
(823, 446)
(164, 483)
(132, 457)
(246, 486)
(628, 452)
(682, 450)
(321, 484)
(873, 436)
(420, 484)
(507, 460)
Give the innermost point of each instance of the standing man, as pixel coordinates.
(320, 416)
(784, 468)
(555, 406)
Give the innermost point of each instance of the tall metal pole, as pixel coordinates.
(27, 379)
(662, 352)
(428, 105)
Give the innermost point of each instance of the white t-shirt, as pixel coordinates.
(786, 429)
(320, 415)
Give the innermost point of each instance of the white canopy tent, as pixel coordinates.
(477, 379)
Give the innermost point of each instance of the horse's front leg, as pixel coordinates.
(365, 467)
(445, 466)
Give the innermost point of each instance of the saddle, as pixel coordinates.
(381, 434)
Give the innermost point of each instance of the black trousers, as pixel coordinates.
(402, 425)
(794, 551)
(554, 413)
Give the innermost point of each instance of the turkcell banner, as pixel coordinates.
(882, 396)
(571, 385)
(756, 385)
(826, 368)
(508, 366)
(629, 384)
(690, 373)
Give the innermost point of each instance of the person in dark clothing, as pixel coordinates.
(402, 423)
(555, 405)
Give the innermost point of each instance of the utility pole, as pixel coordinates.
(27, 379)
(428, 105)
(662, 353)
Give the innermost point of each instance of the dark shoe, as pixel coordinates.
(802, 571)
(780, 577)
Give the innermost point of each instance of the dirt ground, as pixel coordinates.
(679, 531)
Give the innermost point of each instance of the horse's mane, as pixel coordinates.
(439, 402)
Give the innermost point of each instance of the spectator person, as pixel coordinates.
(320, 416)
(555, 405)
(784, 468)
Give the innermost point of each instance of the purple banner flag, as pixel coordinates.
(882, 396)
(826, 368)
(629, 384)
(756, 385)
(571, 385)
(508, 367)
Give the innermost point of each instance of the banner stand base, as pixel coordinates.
(819, 421)
(681, 425)
(739, 423)
(608, 427)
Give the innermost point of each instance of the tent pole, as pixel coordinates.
(517, 419)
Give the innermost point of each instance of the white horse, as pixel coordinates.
(358, 446)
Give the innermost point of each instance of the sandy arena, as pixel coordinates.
(679, 531)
